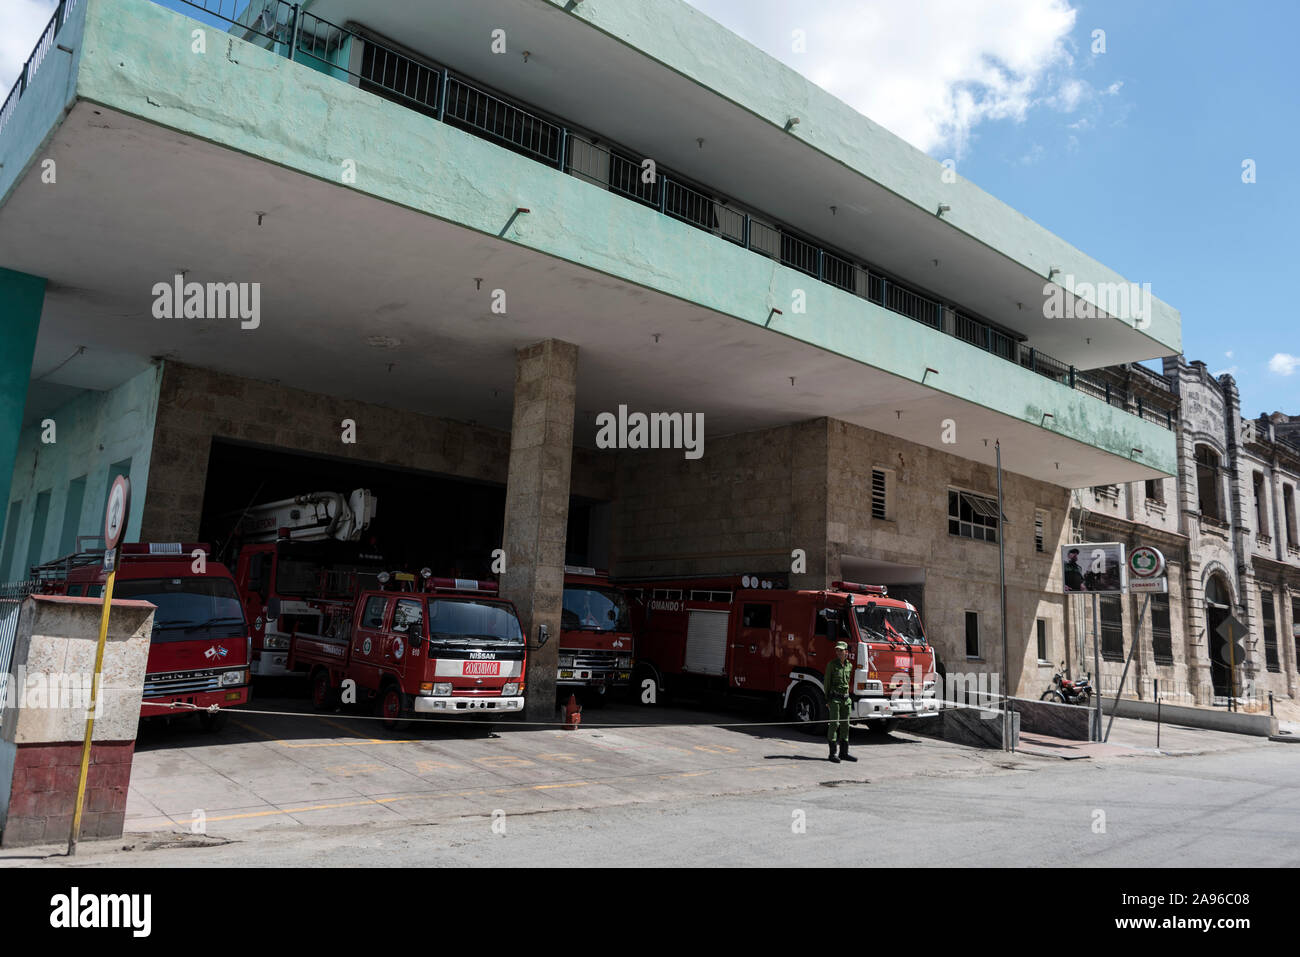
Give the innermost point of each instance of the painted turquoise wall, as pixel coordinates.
(21, 300)
(92, 432)
(314, 123)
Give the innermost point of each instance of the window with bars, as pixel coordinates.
(972, 634)
(1270, 630)
(1040, 530)
(1042, 640)
(1161, 637)
(1112, 628)
(972, 516)
(879, 493)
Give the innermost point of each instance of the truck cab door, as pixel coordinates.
(754, 646)
(405, 635)
(368, 637)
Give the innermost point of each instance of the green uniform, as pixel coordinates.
(839, 701)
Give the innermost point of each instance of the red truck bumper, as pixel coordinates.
(225, 698)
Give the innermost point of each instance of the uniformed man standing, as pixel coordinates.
(839, 701)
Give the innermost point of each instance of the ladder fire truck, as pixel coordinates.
(279, 552)
(201, 644)
(595, 653)
(441, 647)
(750, 635)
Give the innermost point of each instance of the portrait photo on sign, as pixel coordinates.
(1093, 567)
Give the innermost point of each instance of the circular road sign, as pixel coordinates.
(119, 504)
(1146, 562)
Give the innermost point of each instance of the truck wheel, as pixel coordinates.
(594, 699)
(808, 707)
(882, 727)
(390, 704)
(212, 723)
(323, 694)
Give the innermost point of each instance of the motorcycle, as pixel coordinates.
(1065, 691)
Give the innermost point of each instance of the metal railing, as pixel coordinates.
(419, 84)
(12, 595)
(44, 45)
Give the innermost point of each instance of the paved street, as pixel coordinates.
(313, 790)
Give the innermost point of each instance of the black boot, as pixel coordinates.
(844, 752)
(832, 754)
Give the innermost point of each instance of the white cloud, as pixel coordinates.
(1228, 354)
(21, 23)
(1283, 363)
(929, 70)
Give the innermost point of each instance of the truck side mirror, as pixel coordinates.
(273, 608)
(543, 635)
(415, 634)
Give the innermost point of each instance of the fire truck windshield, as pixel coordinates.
(459, 620)
(588, 608)
(886, 623)
(188, 608)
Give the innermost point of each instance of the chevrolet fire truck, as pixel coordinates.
(293, 550)
(595, 636)
(441, 647)
(201, 643)
(750, 635)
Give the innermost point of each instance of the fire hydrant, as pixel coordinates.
(572, 714)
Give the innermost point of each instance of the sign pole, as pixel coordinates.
(1137, 636)
(109, 558)
(115, 517)
(1096, 661)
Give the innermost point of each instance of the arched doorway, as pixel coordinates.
(1218, 606)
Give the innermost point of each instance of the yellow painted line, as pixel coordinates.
(249, 727)
(297, 810)
(575, 784)
(344, 744)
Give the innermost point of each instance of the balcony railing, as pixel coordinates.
(43, 47)
(412, 81)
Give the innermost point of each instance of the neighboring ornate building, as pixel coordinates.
(1228, 527)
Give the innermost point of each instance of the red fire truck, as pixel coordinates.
(279, 553)
(595, 636)
(201, 643)
(750, 635)
(441, 646)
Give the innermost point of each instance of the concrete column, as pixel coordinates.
(537, 505)
(21, 299)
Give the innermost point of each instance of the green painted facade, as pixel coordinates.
(21, 299)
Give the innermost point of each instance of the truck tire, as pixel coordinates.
(637, 692)
(807, 707)
(882, 727)
(324, 696)
(390, 704)
(594, 699)
(211, 722)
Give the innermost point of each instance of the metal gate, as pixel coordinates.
(11, 600)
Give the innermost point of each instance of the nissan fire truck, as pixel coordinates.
(751, 636)
(440, 647)
(292, 550)
(201, 643)
(595, 653)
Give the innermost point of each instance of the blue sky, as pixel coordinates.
(1133, 154)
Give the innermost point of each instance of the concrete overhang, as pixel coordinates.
(345, 270)
(669, 76)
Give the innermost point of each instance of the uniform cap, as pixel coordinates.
(841, 644)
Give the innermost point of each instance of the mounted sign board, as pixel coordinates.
(1096, 568)
(115, 513)
(1146, 567)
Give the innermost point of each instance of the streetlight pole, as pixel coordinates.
(1002, 583)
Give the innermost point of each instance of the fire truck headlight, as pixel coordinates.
(624, 661)
(566, 661)
(279, 642)
(442, 689)
(510, 689)
(233, 678)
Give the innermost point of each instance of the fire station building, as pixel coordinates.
(434, 249)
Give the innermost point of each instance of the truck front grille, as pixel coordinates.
(181, 683)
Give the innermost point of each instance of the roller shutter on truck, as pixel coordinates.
(706, 642)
